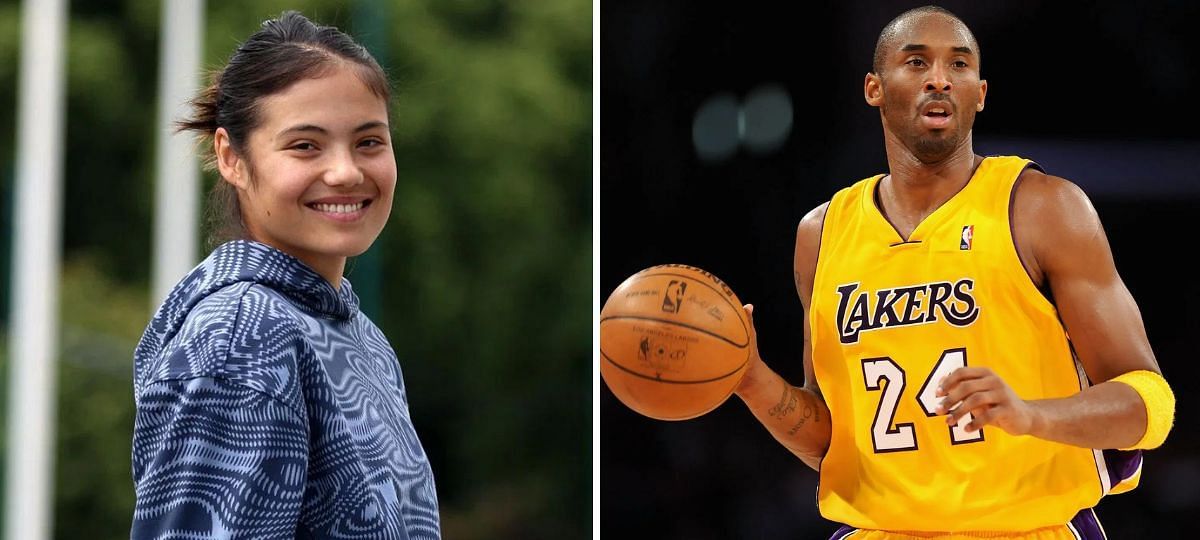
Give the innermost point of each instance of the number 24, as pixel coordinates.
(886, 436)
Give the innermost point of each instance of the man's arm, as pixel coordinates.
(796, 416)
(1062, 243)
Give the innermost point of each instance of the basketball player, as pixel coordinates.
(973, 362)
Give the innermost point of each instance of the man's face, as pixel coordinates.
(928, 87)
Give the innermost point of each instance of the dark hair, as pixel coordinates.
(889, 32)
(284, 51)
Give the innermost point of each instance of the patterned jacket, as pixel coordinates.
(268, 406)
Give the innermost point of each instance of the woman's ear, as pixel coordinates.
(230, 164)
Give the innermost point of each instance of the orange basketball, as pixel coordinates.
(674, 342)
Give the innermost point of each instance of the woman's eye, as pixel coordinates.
(303, 146)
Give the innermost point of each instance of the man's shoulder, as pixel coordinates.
(814, 218)
(1052, 216)
(1046, 198)
(808, 231)
(1038, 183)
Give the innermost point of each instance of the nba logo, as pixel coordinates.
(673, 299)
(968, 235)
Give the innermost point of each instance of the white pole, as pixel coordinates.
(175, 201)
(33, 352)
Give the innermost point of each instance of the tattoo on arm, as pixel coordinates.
(810, 413)
(797, 277)
(787, 402)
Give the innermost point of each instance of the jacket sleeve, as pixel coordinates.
(216, 459)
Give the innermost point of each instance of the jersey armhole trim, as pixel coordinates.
(820, 245)
(808, 313)
(817, 261)
(1012, 235)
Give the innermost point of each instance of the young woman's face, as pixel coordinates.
(317, 174)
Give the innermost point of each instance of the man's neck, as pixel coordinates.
(915, 188)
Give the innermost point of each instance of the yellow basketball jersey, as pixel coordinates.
(889, 318)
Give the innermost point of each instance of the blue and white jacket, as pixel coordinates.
(268, 406)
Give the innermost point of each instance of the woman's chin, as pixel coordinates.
(346, 247)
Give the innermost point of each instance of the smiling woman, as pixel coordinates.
(268, 406)
(315, 179)
(271, 113)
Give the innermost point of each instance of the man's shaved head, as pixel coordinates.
(887, 37)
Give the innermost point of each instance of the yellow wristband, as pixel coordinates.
(1159, 402)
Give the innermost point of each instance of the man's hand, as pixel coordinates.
(754, 365)
(989, 400)
(797, 417)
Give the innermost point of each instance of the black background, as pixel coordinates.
(1098, 92)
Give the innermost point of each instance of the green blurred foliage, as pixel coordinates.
(486, 263)
(487, 258)
(100, 326)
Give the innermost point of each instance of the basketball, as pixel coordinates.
(674, 342)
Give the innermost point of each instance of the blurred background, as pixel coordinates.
(481, 276)
(723, 126)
